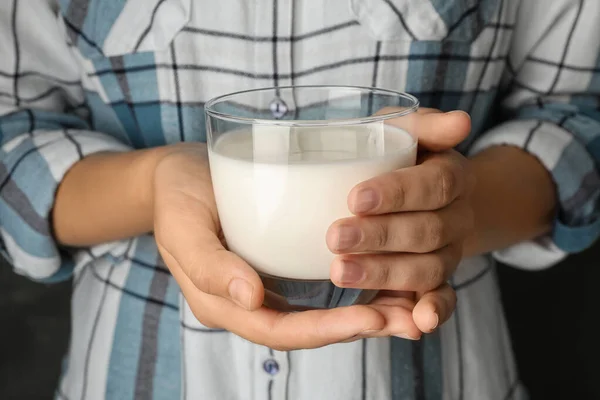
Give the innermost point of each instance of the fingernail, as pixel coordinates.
(347, 237)
(351, 273)
(459, 112)
(436, 320)
(405, 336)
(370, 332)
(241, 292)
(362, 335)
(353, 338)
(366, 200)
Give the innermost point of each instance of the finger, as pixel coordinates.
(395, 297)
(279, 330)
(200, 254)
(414, 232)
(436, 131)
(290, 331)
(396, 322)
(435, 183)
(309, 329)
(434, 308)
(404, 271)
(394, 110)
(399, 322)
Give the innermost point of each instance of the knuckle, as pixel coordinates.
(436, 231)
(448, 182)
(398, 197)
(380, 236)
(383, 277)
(200, 278)
(436, 273)
(419, 234)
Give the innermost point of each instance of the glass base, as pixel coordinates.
(300, 295)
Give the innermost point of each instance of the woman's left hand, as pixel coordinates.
(407, 235)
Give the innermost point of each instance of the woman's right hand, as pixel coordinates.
(222, 290)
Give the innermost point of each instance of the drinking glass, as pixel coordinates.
(283, 161)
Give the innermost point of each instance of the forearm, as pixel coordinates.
(514, 199)
(106, 197)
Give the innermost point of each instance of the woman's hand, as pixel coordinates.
(408, 234)
(417, 223)
(225, 292)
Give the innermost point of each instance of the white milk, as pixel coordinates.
(278, 191)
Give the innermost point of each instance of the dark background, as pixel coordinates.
(551, 315)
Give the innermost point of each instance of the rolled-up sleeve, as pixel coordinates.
(551, 111)
(43, 133)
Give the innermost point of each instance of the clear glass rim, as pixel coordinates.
(209, 107)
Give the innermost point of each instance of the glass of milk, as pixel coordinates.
(283, 161)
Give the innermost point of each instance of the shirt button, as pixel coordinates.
(271, 367)
(278, 108)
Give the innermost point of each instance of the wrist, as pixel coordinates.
(178, 165)
(514, 199)
(106, 197)
(141, 176)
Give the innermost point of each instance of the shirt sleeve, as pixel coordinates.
(551, 111)
(44, 131)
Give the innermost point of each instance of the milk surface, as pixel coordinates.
(278, 189)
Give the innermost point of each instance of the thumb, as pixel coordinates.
(442, 131)
(436, 131)
(212, 269)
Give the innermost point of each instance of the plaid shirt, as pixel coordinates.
(85, 76)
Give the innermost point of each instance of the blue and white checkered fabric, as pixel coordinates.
(84, 76)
